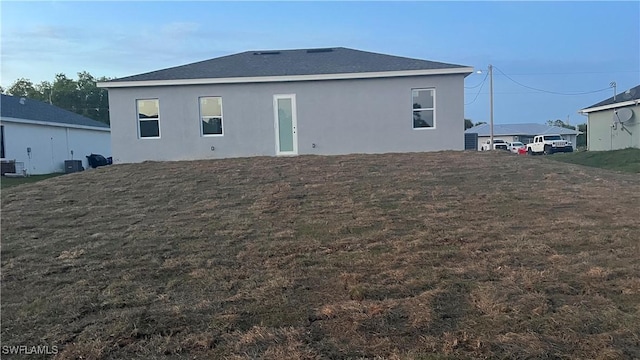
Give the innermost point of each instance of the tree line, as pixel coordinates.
(80, 96)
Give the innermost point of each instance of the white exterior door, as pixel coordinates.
(284, 108)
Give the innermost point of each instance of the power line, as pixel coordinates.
(479, 90)
(507, 92)
(581, 72)
(548, 91)
(480, 84)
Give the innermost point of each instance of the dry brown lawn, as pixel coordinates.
(398, 256)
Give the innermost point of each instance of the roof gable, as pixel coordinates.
(519, 129)
(297, 62)
(34, 110)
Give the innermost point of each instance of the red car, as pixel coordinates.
(516, 147)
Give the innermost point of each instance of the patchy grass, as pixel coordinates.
(627, 160)
(6, 182)
(403, 256)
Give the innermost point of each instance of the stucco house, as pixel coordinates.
(288, 102)
(520, 132)
(614, 123)
(40, 136)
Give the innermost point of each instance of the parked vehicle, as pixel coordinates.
(515, 146)
(548, 144)
(498, 144)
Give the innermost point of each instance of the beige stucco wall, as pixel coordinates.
(602, 135)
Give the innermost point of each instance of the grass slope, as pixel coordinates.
(6, 182)
(627, 160)
(403, 256)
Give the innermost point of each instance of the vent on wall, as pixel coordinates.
(311, 51)
(266, 53)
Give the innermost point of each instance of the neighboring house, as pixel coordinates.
(614, 123)
(43, 136)
(520, 132)
(288, 102)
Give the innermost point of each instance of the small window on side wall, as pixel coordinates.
(211, 115)
(424, 108)
(148, 118)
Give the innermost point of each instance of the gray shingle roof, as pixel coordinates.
(519, 129)
(631, 94)
(30, 109)
(290, 62)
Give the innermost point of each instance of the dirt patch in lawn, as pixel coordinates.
(435, 255)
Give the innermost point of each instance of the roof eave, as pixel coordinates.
(610, 106)
(54, 124)
(287, 78)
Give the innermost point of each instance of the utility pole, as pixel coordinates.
(491, 104)
(614, 86)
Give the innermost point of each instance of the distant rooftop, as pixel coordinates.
(266, 63)
(519, 129)
(28, 109)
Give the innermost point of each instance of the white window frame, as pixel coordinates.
(200, 117)
(433, 91)
(140, 120)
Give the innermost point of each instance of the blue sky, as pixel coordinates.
(564, 47)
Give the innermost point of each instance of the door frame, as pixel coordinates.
(294, 123)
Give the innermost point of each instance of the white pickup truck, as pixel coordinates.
(498, 144)
(549, 144)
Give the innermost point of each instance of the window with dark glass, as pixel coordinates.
(424, 108)
(211, 115)
(148, 118)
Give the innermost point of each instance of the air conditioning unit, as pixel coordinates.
(71, 166)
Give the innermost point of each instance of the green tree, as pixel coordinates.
(94, 100)
(81, 96)
(65, 93)
(560, 123)
(23, 87)
(102, 102)
(45, 91)
(468, 124)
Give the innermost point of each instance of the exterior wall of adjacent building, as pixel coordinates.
(50, 146)
(572, 138)
(333, 117)
(604, 134)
